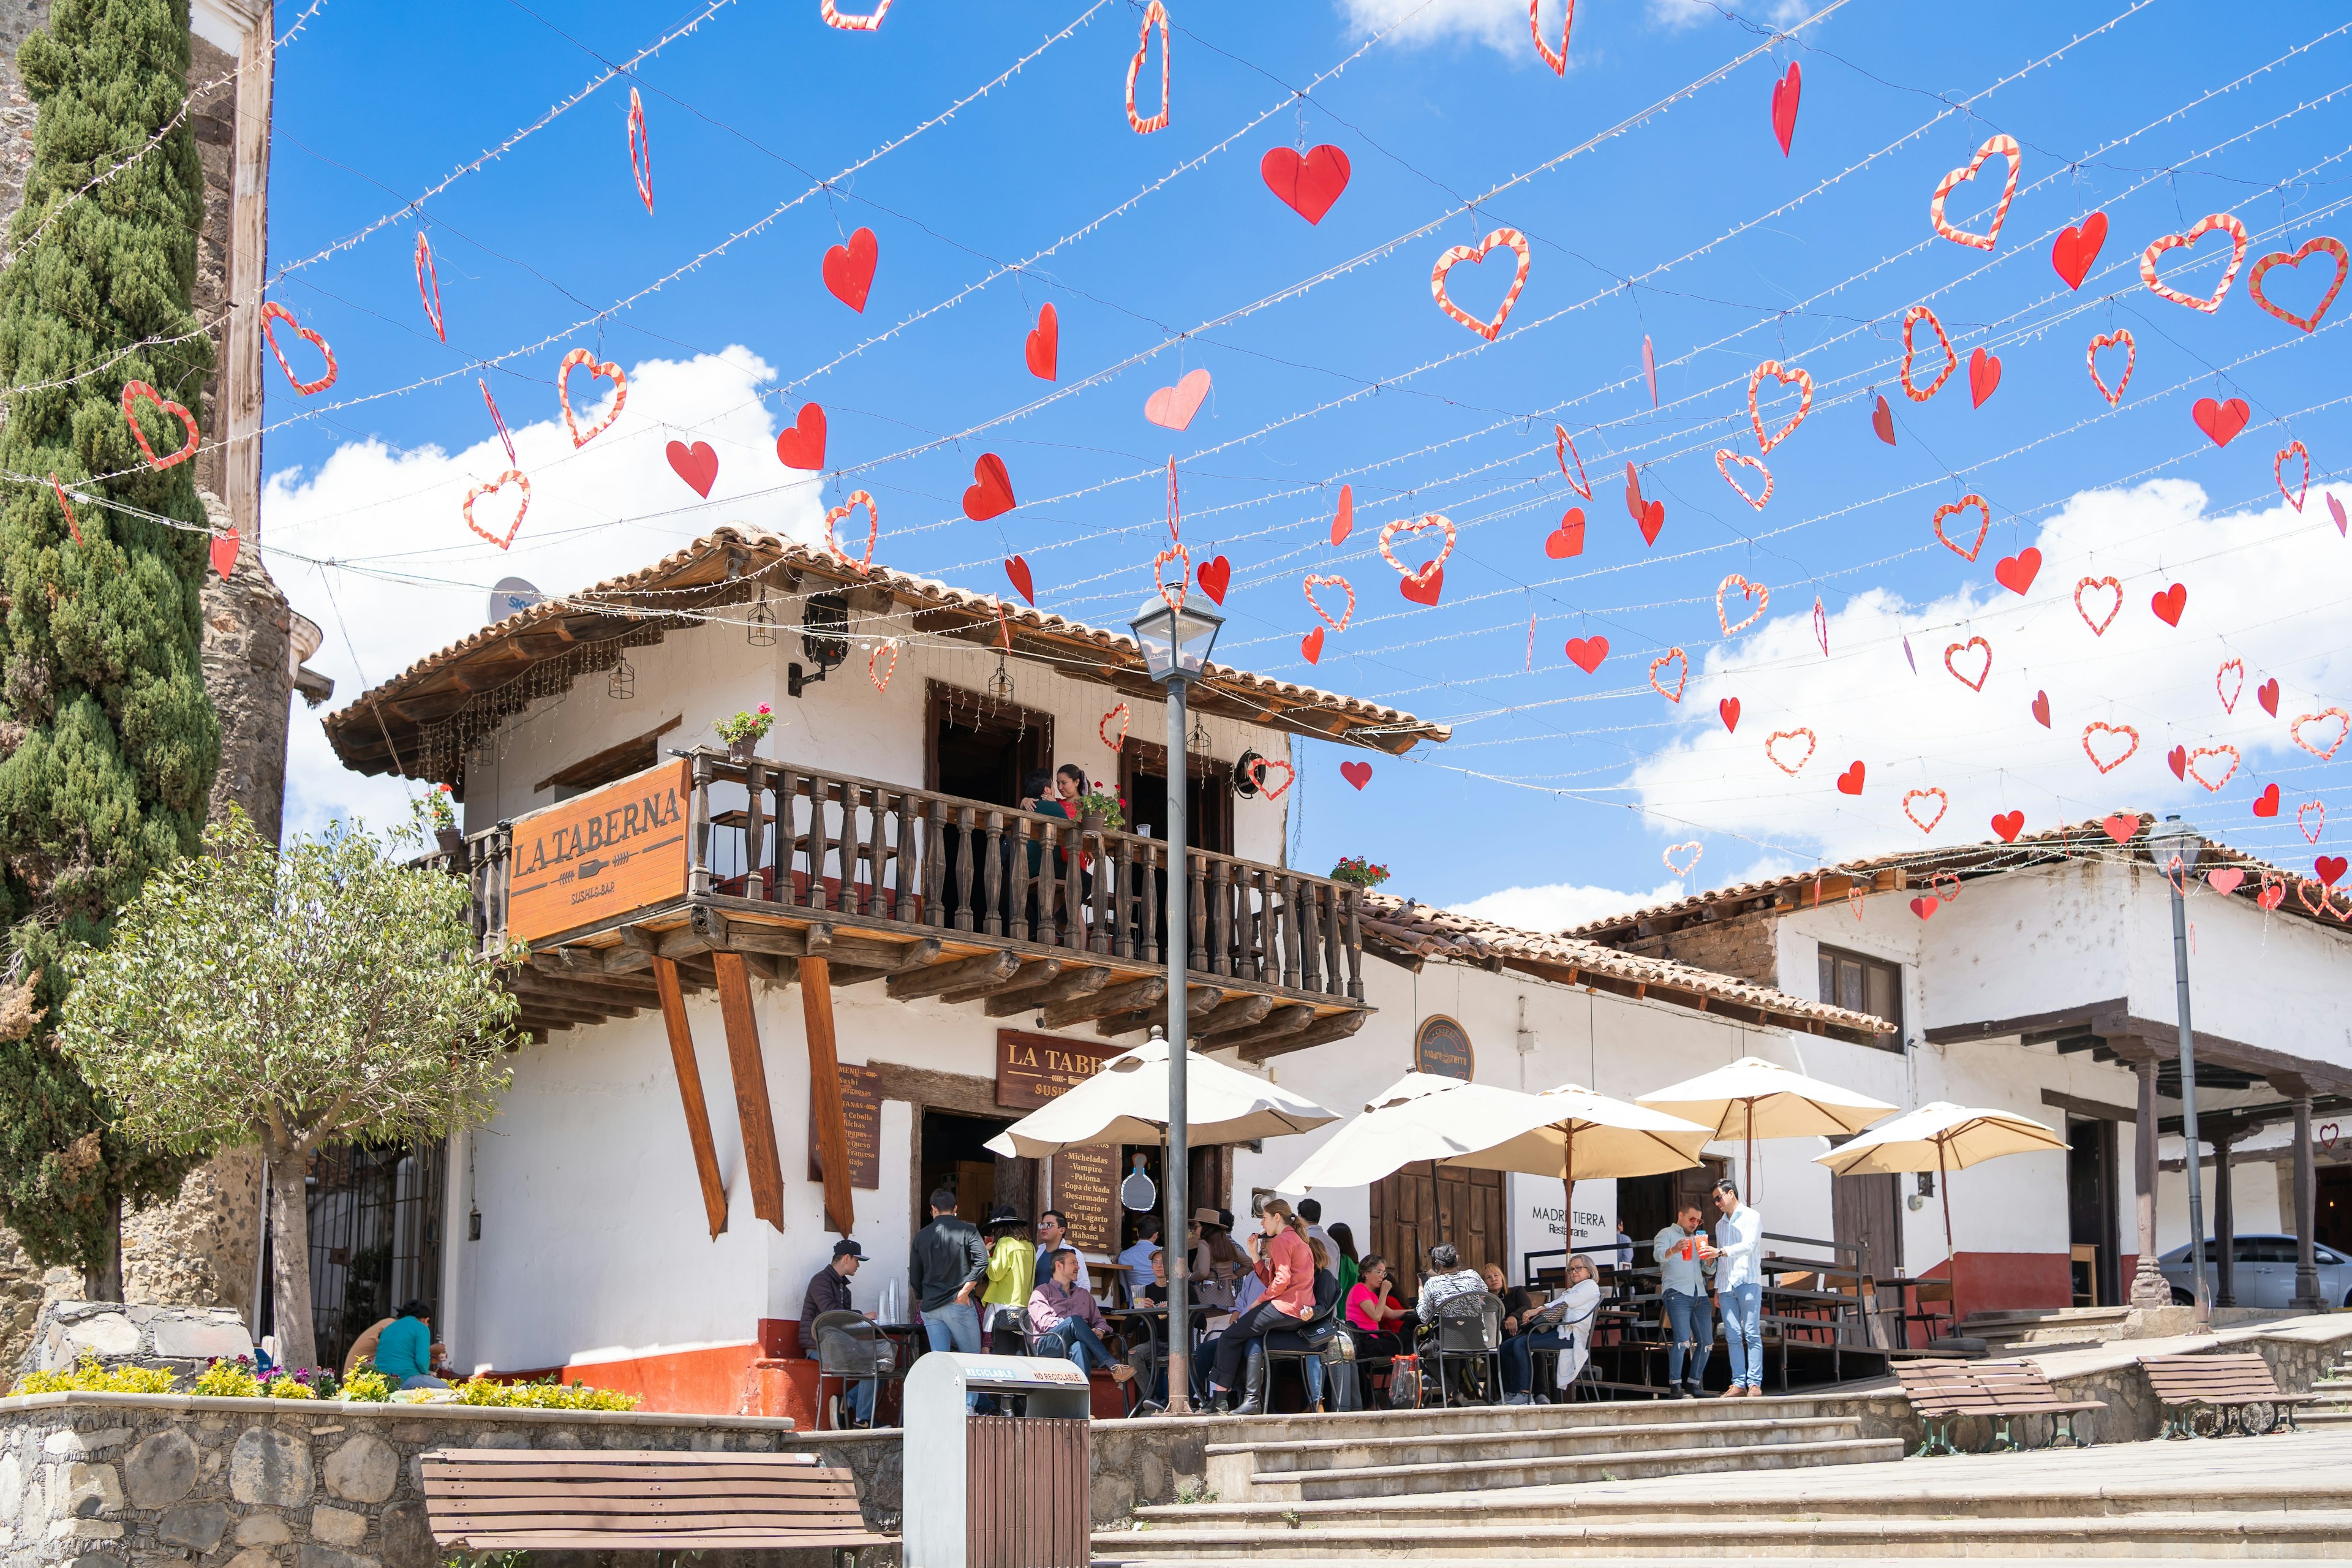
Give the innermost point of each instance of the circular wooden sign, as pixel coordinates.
(1441, 1046)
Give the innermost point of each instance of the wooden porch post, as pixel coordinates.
(689, 1090)
(824, 1093)
(761, 1160)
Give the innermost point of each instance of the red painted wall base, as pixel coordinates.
(2008, 1282)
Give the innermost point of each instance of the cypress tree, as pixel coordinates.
(107, 741)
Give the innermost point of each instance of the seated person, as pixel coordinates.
(1446, 1278)
(1518, 1302)
(1372, 1311)
(403, 1351)
(1563, 1325)
(1067, 1321)
(828, 1291)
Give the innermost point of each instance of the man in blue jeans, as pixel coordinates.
(1682, 1272)
(951, 1268)
(1068, 1322)
(1740, 1283)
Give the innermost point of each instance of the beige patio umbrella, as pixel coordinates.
(1941, 1137)
(1754, 1099)
(1127, 1103)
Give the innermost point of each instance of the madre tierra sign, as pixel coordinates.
(602, 854)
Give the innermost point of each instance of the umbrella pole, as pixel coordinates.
(1568, 1182)
(1944, 1180)
(1753, 1191)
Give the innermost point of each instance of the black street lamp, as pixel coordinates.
(2175, 847)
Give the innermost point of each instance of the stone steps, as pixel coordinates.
(1322, 1455)
(1497, 1474)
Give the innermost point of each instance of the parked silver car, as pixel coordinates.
(2262, 1272)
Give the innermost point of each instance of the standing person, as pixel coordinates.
(1135, 1261)
(951, 1268)
(1740, 1283)
(1311, 1211)
(1012, 1269)
(828, 1291)
(1052, 1232)
(1624, 1263)
(1349, 1269)
(1683, 1272)
(1068, 1322)
(1287, 1267)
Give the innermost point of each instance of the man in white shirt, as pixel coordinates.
(1740, 1287)
(1050, 1232)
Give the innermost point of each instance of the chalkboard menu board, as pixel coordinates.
(1086, 1189)
(861, 1110)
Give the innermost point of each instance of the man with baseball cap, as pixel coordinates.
(828, 1291)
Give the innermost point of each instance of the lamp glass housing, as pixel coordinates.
(2175, 840)
(1175, 642)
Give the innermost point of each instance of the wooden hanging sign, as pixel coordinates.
(601, 855)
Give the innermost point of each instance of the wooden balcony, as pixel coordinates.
(926, 894)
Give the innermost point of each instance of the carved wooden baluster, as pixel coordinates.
(1334, 930)
(501, 884)
(877, 851)
(1046, 871)
(1197, 911)
(1295, 961)
(850, 846)
(698, 872)
(819, 792)
(1355, 945)
(1268, 929)
(965, 823)
(1101, 939)
(1155, 855)
(935, 864)
(1017, 887)
(1309, 901)
(1073, 889)
(904, 905)
(786, 784)
(993, 881)
(1123, 899)
(1221, 929)
(755, 824)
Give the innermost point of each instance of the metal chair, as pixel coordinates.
(1925, 1293)
(850, 1350)
(1304, 1345)
(1469, 1327)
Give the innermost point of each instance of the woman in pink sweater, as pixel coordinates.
(1286, 1268)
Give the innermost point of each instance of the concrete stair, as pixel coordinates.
(2332, 1410)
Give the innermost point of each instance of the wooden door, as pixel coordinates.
(1411, 1214)
(1868, 1211)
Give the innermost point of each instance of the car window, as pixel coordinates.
(2269, 1249)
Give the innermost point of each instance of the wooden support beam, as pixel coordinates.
(985, 970)
(1076, 982)
(1110, 999)
(1283, 1022)
(1337, 1026)
(892, 960)
(1032, 973)
(825, 1094)
(689, 1091)
(761, 1161)
(1237, 1014)
(1198, 1000)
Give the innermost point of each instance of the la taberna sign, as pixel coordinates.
(602, 854)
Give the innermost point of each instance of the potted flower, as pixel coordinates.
(742, 732)
(1100, 811)
(1359, 872)
(440, 807)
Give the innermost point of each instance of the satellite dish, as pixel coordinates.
(510, 596)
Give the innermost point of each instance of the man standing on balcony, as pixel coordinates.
(951, 1268)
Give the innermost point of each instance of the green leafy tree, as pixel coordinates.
(324, 995)
(107, 743)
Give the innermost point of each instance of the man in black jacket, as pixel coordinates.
(951, 1268)
(828, 1291)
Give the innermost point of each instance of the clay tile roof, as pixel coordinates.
(1410, 931)
(420, 721)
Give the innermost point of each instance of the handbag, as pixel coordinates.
(1404, 1383)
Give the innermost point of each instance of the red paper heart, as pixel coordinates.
(2267, 803)
(2075, 249)
(1850, 781)
(2226, 880)
(2168, 604)
(2333, 248)
(1311, 645)
(2267, 694)
(2336, 511)
(2274, 893)
(849, 269)
(224, 552)
(1632, 492)
(1568, 539)
(1357, 774)
(1586, 653)
(1343, 521)
(1654, 517)
(1882, 419)
(2122, 826)
(1215, 577)
(2008, 824)
(1984, 525)
(1785, 92)
(1984, 377)
(990, 492)
(1925, 908)
(1306, 184)
(2328, 1132)
(2330, 867)
(1016, 568)
(1173, 407)
(133, 393)
(802, 445)
(1729, 709)
(2221, 421)
(1983, 674)
(1423, 586)
(2042, 709)
(2177, 759)
(697, 465)
(2016, 573)
(1043, 347)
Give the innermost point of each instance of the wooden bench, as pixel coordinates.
(535, 1500)
(2206, 1395)
(1946, 1392)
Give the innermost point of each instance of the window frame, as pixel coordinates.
(1827, 954)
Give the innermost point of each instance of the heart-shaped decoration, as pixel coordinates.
(2042, 709)
(1016, 571)
(1313, 581)
(1881, 420)
(1772, 741)
(1564, 448)
(1943, 804)
(1343, 521)
(1172, 594)
(517, 478)
(2105, 734)
(1357, 774)
(1946, 886)
(1311, 646)
(1102, 726)
(1258, 771)
(1306, 183)
(873, 525)
(2226, 880)
(1724, 458)
(2328, 1132)
(429, 286)
(134, 392)
(2343, 722)
(1924, 907)
(1984, 525)
(1214, 577)
(1155, 12)
(2278, 473)
(1984, 377)
(641, 151)
(65, 504)
(1792, 376)
(802, 444)
(1650, 368)
(1043, 347)
(1911, 390)
(1632, 491)
(2326, 900)
(2267, 803)
(2168, 604)
(1850, 781)
(273, 312)
(878, 672)
(2122, 336)
(1672, 656)
(224, 548)
(1728, 709)
(2008, 825)
(1996, 146)
(990, 494)
(2177, 759)
(1557, 60)
(1785, 92)
(1567, 540)
(2099, 627)
(2200, 754)
(2016, 573)
(2311, 830)
(1983, 672)
(598, 370)
(2076, 247)
(2229, 694)
(1173, 407)
(849, 268)
(2273, 892)
(1757, 592)
(1586, 653)
(1427, 575)
(498, 422)
(866, 24)
(2329, 868)
(2197, 231)
(1821, 625)
(2221, 421)
(1490, 328)
(2267, 694)
(2331, 248)
(2122, 826)
(1653, 520)
(2336, 511)
(697, 465)
(1695, 850)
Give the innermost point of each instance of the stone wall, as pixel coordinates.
(182, 1340)
(19, 18)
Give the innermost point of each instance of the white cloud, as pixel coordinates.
(1558, 906)
(1500, 25)
(2267, 586)
(420, 580)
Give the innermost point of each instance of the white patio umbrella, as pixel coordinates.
(1127, 1103)
(1754, 1099)
(1941, 1137)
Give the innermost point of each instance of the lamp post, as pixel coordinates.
(1176, 643)
(2175, 849)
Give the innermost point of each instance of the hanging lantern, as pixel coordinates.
(622, 687)
(1000, 685)
(762, 632)
(1198, 740)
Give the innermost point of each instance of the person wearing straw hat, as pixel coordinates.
(1739, 1285)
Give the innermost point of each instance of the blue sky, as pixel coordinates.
(1688, 226)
